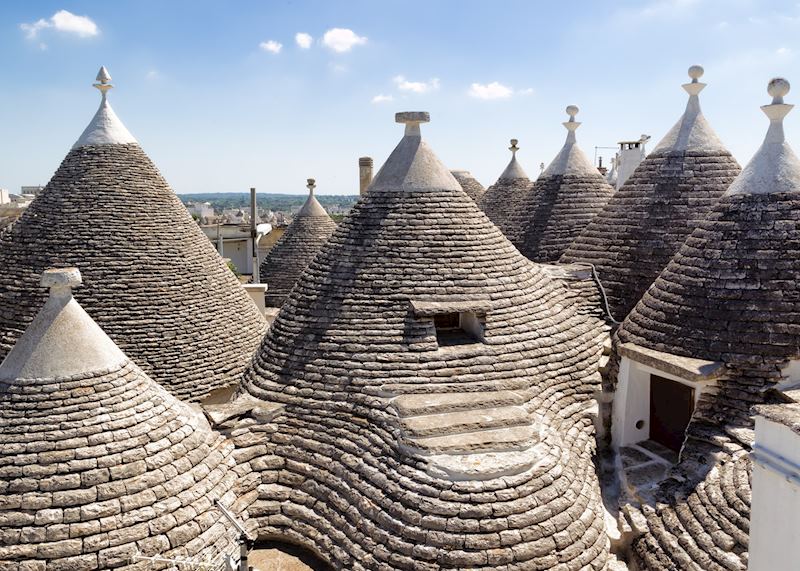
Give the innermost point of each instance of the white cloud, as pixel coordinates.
(63, 21)
(342, 40)
(271, 46)
(152, 75)
(494, 90)
(416, 86)
(783, 52)
(526, 91)
(303, 40)
(380, 98)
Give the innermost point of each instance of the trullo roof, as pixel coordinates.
(645, 222)
(563, 200)
(435, 384)
(290, 255)
(729, 295)
(153, 280)
(98, 463)
(502, 200)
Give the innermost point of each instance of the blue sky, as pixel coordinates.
(200, 85)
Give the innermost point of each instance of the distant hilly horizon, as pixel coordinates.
(269, 200)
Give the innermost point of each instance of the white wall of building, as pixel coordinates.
(5, 196)
(627, 160)
(630, 421)
(775, 508)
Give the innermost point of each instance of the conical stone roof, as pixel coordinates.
(502, 200)
(401, 447)
(728, 295)
(563, 200)
(470, 184)
(153, 280)
(649, 217)
(98, 463)
(290, 255)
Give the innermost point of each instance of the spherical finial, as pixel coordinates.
(572, 110)
(514, 148)
(311, 183)
(778, 87)
(696, 72)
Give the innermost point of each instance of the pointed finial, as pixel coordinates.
(61, 281)
(695, 87)
(513, 148)
(412, 119)
(777, 110)
(541, 168)
(310, 185)
(103, 77)
(572, 124)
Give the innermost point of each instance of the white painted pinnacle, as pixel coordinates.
(513, 148)
(774, 167)
(412, 119)
(777, 110)
(692, 131)
(413, 166)
(62, 340)
(570, 159)
(105, 127)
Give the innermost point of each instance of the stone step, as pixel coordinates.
(515, 383)
(464, 421)
(421, 404)
(483, 465)
(603, 363)
(490, 440)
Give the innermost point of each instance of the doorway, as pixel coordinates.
(671, 407)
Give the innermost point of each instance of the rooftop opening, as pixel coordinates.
(458, 328)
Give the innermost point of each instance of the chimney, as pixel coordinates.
(364, 174)
(775, 507)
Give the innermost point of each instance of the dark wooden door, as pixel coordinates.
(671, 406)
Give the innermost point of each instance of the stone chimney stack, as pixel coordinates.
(364, 174)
